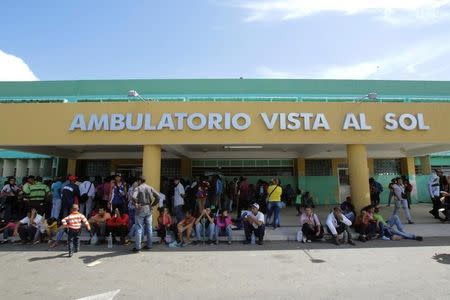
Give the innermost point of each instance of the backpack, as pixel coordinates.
(84, 198)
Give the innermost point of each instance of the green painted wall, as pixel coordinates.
(419, 182)
(324, 189)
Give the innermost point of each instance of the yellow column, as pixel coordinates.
(425, 163)
(359, 175)
(186, 167)
(71, 166)
(371, 163)
(301, 166)
(408, 166)
(151, 169)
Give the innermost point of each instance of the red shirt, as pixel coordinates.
(164, 220)
(116, 221)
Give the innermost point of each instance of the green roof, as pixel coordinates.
(226, 90)
(19, 155)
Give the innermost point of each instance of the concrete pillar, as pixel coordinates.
(371, 163)
(21, 168)
(71, 166)
(408, 166)
(425, 163)
(46, 167)
(359, 175)
(301, 166)
(151, 169)
(186, 167)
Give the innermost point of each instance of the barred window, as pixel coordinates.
(170, 168)
(387, 166)
(318, 167)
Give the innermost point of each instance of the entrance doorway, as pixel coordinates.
(344, 183)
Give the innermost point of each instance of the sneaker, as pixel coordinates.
(146, 248)
(247, 242)
(336, 241)
(351, 242)
(419, 238)
(304, 239)
(385, 238)
(410, 222)
(134, 250)
(308, 241)
(70, 254)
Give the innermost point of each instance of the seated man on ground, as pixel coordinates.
(366, 225)
(223, 226)
(310, 225)
(164, 223)
(28, 226)
(338, 224)
(254, 224)
(392, 229)
(7, 228)
(348, 210)
(204, 226)
(98, 224)
(185, 225)
(118, 226)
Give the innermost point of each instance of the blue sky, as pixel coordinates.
(354, 39)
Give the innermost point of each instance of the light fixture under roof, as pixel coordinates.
(243, 147)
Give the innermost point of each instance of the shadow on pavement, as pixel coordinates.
(48, 257)
(442, 258)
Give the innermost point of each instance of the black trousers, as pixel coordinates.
(249, 229)
(436, 205)
(27, 233)
(39, 205)
(73, 240)
(117, 231)
(310, 231)
(341, 228)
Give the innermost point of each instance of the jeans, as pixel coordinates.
(143, 217)
(391, 195)
(221, 230)
(86, 208)
(404, 203)
(274, 208)
(178, 210)
(209, 231)
(394, 220)
(56, 208)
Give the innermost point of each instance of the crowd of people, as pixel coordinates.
(202, 209)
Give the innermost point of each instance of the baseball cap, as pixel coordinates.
(255, 205)
(72, 178)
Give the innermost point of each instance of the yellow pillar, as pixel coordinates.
(408, 166)
(301, 166)
(371, 163)
(186, 167)
(151, 170)
(425, 163)
(359, 175)
(71, 166)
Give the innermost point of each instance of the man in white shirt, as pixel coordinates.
(435, 192)
(401, 199)
(178, 199)
(28, 226)
(338, 224)
(87, 188)
(253, 223)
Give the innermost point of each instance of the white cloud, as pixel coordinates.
(395, 12)
(421, 61)
(13, 68)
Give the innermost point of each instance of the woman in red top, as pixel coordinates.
(118, 226)
(164, 223)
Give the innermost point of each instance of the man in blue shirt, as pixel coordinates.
(56, 197)
(69, 193)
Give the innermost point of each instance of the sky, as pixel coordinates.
(346, 39)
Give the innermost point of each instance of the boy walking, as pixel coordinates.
(73, 225)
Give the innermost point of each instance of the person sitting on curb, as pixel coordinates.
(223, 226)
(164, 223)
(254, 223)
(185, 225)
(310, 226)
(348, 209)
(388, 230)
(118, 226)
(98, 224)
(366, 225)
(28, 226)
(204, 225)
(338, 224)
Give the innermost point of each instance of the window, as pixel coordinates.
(387, 167)
(318, 167)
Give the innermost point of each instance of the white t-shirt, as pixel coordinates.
(259, 216)
(88, 188)
(178, 191)
(37, 220)
(162, 198)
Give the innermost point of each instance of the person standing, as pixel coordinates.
(400, 199)
(375, 190)
(118, 192)
(435, 192)
(73, 224)
(10, 193)
(178, 199)
(408, 189)
(218, 191)
(70, 194)
(56, 197)
(87, 194)
(275, 191)
(38, 193)
(242, 198)
(144, 198)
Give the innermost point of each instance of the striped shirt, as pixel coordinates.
(74, 220)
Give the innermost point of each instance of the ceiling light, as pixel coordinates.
(242, 147)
